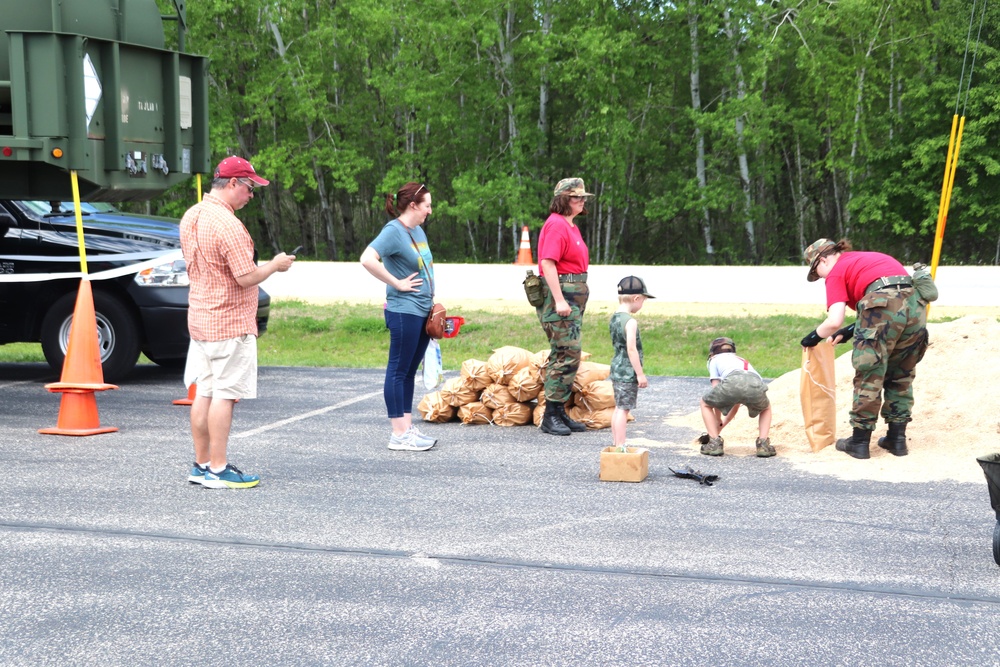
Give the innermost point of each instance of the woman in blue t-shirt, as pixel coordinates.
(400, 257)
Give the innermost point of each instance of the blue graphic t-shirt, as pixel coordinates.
(395, 245)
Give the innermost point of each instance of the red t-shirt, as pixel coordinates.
(854, 271)
(561, 242)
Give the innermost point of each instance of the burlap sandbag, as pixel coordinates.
(475, 375)
(818, 392)
(496, 395)
(539, 411)
(456, 392)
(593, 419)
(505, 361)
(475, 413)
(596, 396)
(588, 372)
(434, 408)
(538, 359)
(525, 384)
(512, 414)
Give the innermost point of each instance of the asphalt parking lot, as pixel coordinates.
(498, 547)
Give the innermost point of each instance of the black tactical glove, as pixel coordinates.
(811, 340)
(689, 473)
(846, 334)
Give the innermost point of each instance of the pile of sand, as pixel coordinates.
(955, 413)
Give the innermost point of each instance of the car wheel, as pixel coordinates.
(175, 363)
(117, 334)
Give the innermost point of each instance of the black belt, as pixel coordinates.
(572, 277)
(890, 281)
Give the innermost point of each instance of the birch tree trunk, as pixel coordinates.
(706, 228)
(741, 94)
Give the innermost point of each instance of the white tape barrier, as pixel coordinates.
(151, 259)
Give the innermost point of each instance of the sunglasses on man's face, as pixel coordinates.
(249, 186)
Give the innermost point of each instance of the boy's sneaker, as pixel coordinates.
(764, 448)
(713, 447)
(230, 478)
(407, 443)
(197, 475)
(421, 438)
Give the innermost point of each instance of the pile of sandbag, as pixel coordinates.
(506, 390)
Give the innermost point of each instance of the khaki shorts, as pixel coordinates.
(739, 387)
(223, 368)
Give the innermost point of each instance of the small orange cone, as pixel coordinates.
(81, 374)
(524, 252)
(190, 397)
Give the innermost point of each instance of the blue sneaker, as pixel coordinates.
(230, 478)
(197, 475)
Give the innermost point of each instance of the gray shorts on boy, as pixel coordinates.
(738, 387)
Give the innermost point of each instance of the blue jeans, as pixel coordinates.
(407, 343)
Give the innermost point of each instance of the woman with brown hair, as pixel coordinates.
(563, 260)
(400, 257)
(890, 337)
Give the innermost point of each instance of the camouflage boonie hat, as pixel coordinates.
(720, 343)
(813, 254)
(573, 187)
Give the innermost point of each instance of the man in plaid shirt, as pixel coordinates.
(222, 318)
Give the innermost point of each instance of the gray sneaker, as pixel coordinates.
(421, 437)
(764, 448)
(407, 443)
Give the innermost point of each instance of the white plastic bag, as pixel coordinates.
(433, 369)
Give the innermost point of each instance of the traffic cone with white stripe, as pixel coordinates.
(524, 252)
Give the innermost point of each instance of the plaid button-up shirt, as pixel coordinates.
(217, 248)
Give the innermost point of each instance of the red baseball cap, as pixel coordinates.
(237, 167)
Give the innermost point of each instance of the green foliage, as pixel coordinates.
(844, 111)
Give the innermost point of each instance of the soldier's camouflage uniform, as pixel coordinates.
(890, 338)
(564, 334)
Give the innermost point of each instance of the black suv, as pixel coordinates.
(137, 311)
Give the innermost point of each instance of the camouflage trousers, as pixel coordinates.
(890, 339)
(565, 344)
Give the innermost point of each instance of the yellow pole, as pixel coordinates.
(79, 221)
(197, 187)
(947, 189)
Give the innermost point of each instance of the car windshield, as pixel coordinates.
(44, 208)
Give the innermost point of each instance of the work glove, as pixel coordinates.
(811, 340)
(689, 473)
(846, 334)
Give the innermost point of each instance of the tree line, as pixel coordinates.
(711, 131)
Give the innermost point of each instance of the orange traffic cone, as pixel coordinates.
(190, 397)
(524, 252)
(81, 374)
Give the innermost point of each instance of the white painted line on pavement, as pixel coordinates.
(307, 415)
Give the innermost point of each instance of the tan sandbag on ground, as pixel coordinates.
(539, 411)
(538, 359)
(588, 372)
(475, 413)
(505, 361)
(513, 414)
(594, 420)
(525, 384)
(434, 408)
(496, 395)
(456, 392)
(475, 375)
(817, 388)
(596, 396)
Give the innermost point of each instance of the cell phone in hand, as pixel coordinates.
(297, 250)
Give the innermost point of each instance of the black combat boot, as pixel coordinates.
(552, 422)
(572, 424)
(895, 441)
(857, 444)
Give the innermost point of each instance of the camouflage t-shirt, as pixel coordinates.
(621, 367)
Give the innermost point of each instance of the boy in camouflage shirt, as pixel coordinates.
(626, 374)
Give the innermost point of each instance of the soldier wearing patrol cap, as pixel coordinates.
(563, 260)
(890, 337)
